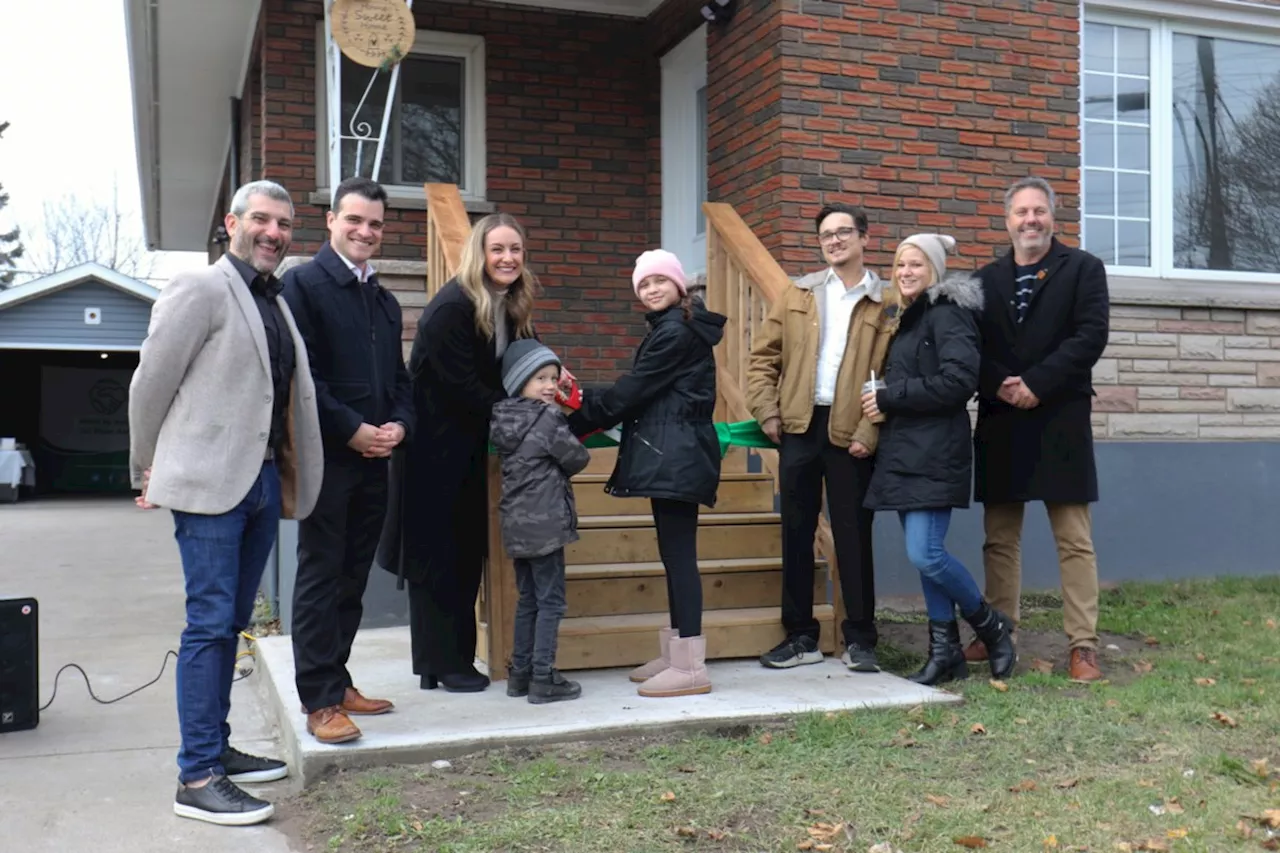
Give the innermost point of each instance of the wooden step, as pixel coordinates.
(593, 642)
(632, 539)
(739, 587)
(737, 493)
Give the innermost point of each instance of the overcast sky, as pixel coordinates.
(65, 91)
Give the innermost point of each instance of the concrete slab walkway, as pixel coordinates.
(96, 777)
(433, 724)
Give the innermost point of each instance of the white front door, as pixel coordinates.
(684, 151)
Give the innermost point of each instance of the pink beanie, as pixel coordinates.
(658, 262)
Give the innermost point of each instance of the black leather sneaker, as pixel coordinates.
(242, 767)
(221, 802)
(555, 688)
(860, 658)
(793, 651)
(518, 682)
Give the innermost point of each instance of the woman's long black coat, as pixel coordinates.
(1045, 453)
(437, 517)
(924, 455)
(665, 403)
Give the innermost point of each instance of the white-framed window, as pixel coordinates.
(436, 132)
(1180, 129)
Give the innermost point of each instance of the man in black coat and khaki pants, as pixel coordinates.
(352, 328)
(1044, 326)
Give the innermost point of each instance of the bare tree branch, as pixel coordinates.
(75, 231)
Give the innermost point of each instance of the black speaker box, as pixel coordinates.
(19, 664)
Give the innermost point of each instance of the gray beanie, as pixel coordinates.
(521, 360)
(935, 248)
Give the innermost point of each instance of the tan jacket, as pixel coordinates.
(782, 374)
(200, 402)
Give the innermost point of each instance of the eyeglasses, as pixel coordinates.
(840, 234)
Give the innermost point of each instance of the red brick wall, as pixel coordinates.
(572, 107)
(923, 111)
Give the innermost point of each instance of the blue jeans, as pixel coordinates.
(222, 559)
(946, 582)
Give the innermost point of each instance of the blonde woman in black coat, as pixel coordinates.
(924, 458)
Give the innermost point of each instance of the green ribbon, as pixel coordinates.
(738, 434)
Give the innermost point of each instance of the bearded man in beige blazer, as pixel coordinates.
(224, 433)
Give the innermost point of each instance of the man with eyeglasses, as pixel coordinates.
(820, 342)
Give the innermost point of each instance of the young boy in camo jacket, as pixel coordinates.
(539, 454)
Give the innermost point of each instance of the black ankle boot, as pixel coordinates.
(518, 682)
(553, 688)
(946, 656)
(996, 633)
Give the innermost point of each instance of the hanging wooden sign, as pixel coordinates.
(374, 33)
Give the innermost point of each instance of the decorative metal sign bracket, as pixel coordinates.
(358, 130)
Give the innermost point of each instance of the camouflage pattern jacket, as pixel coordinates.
(539, 454)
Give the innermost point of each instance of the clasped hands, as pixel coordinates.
(373, 442)
(1016, 393)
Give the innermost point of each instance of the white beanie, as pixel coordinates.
(935, 248)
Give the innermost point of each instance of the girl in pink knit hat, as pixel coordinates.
(669, 453)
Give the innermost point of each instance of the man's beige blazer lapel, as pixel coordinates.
(252, 316)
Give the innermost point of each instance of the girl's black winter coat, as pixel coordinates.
(665, 404)
(924, 458)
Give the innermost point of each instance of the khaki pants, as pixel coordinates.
(1077, 563)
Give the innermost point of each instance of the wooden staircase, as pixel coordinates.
(616, 588)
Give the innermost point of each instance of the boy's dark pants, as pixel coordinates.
(538, 613)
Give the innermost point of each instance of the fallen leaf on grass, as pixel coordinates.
(1201, 656)
(978, 729)
(1022, 721)
(940, 802)
(1051, 841)
(1153, 844)
(973, 842)
(1146, 783)
(1248, 682)
(717, 834)
(1042, 666)
(1244, 829)
(807, 844)
(1023, 786)
(814, 812)
(825, 831)
(417, 825)
(1225, 720)
(1067, 783)
(1143, 666)
(999, 685)
(669, 797)
(1271, 844)
(686, 832)
(685, 768)
(766, 739)
(1173, 806)
(1271, 623)
(1271, 817)
(1151, 641)
(1177, 833)
(882, 847)
(1206, 682)
(1260, 768)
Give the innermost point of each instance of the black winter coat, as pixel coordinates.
(438, 484)
(353, 335)
(923, 459)
(665, 404)
(1045, 453)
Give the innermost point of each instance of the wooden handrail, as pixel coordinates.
(743, 281)
(447, 231)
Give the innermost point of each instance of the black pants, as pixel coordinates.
(805, 462)
(442, 607)
(540, 581)
(335, 549)
(677, 525)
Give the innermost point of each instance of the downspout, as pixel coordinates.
(233, 159)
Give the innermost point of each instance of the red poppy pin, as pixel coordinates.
(1040, 276)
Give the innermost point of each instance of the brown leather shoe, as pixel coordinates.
(330, 725)
(975, 652)
(354, 703)
(1084, 666)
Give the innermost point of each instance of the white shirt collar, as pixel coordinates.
(361, 276)
(866, 287)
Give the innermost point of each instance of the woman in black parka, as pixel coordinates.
(436, 533)
(669, 453)
(924, 457)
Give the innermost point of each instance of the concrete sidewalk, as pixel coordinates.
(102, 777)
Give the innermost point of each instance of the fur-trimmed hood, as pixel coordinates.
(962, 290)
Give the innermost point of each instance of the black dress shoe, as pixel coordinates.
(456, 682)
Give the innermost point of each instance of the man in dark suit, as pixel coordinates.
(352, 327)
(1044, 326)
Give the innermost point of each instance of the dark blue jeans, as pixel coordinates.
(222, 559)
(947, 583)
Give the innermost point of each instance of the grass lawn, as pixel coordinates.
(1178, 751)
